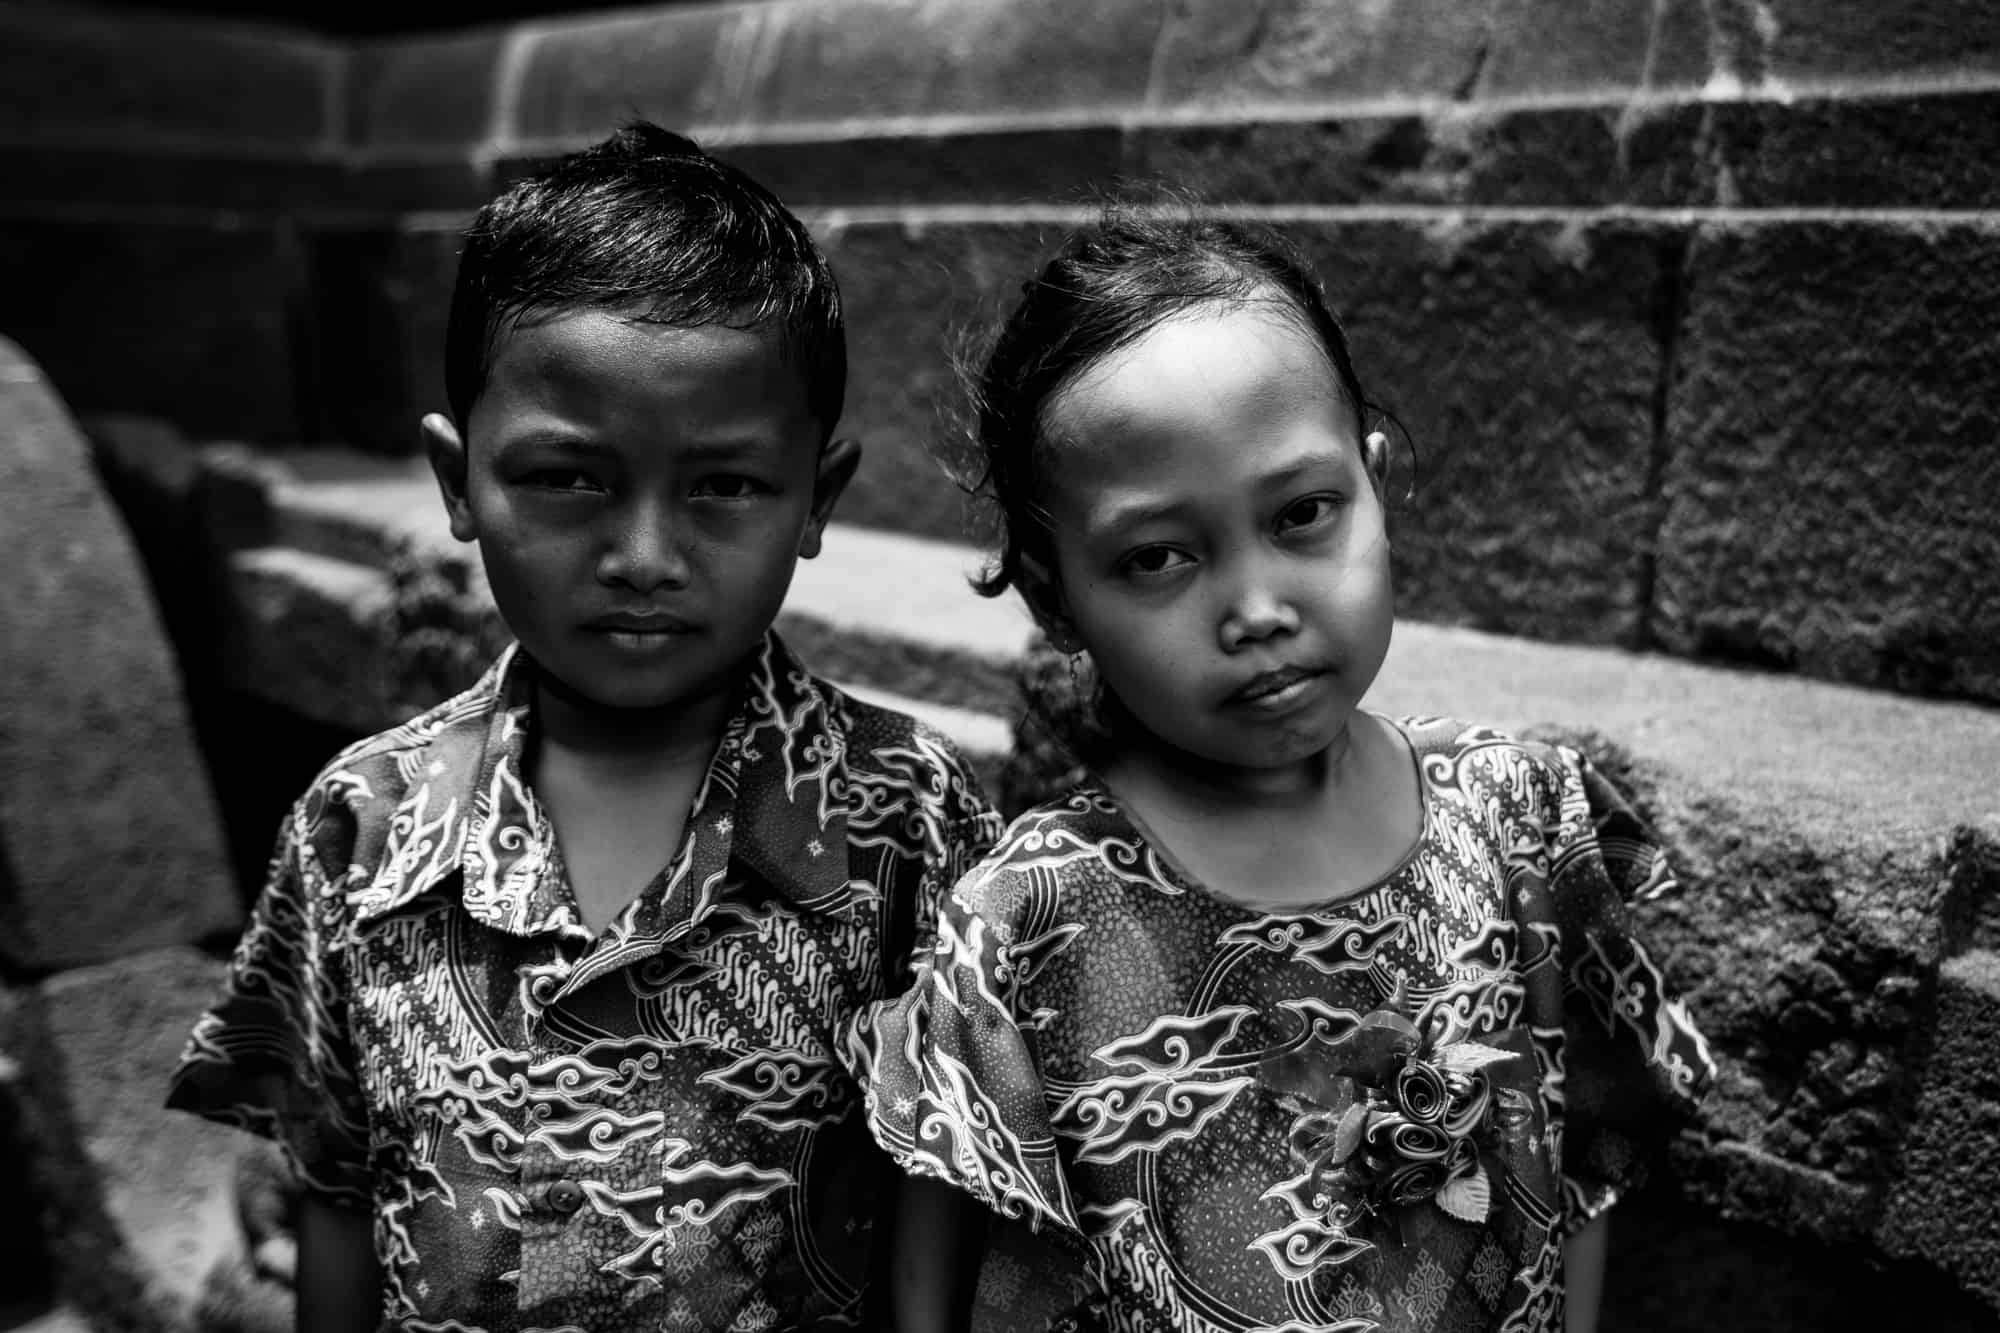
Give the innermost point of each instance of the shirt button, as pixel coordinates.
(565, 1196)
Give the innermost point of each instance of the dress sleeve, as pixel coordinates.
(272, 1055)
(1633, 1065)
(952, 1084)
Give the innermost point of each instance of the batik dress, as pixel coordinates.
(643, 1128)
(1381, 1113)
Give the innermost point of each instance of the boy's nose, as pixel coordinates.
(644, 554)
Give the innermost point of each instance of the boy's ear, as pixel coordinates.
(448, 464)
(1043, 595)
(837, 461)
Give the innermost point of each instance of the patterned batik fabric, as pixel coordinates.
(1133, 1073)
(645, 1129)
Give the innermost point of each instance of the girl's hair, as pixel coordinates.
(1141, 264)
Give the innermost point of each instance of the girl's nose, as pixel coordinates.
(643, 553)
(1258, 611)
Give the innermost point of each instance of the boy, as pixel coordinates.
(544, 995)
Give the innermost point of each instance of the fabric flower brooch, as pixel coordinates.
(1388, 1118)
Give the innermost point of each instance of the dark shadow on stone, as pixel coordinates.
(1677, 1268)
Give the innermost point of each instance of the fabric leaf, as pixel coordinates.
(1469, 1197)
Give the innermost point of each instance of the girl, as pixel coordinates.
(1290, 1015)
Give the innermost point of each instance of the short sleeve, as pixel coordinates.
(952, 1083)
(272, 1055)
(970, 826)
(1633, 1066)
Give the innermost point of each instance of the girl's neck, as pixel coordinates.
(1143, 764)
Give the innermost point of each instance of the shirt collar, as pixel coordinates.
(773, 801)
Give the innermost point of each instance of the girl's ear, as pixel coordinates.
(1375, 457)
(1043, 595)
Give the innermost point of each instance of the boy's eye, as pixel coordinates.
(728, 486)
(1308, 512)
(1152, 561)
(562, 479)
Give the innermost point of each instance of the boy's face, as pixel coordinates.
(639, 493)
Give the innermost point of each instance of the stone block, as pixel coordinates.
(1584, 48)
(1568, 157)
(310, 633)
(1828, 491)
(69, 74)
(581, 78)
(929, 170)
(111, 834)
(1940, 151)
(188, 321)
(60, 1240)
(1942, 1207)
(1522, 358)
(913, 297)
(959, 62)
(165, 1180)
(119, 179)
(424, 94)
(382, 297)
(1237, 56)
(1828, 42)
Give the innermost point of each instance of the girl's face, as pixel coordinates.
(1219, 540)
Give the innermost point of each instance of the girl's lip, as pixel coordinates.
(1273, 690)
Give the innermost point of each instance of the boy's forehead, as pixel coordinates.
(598, 366)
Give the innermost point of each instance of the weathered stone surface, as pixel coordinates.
(1570, 157)
(1235, 56)
(1001, 167)
(1827, 41)
(1943, 1208)
(956, 61)
(382, 298)
(682, 67)
(1940, 151)
(164, 1179)
(312, 634)
(1522, 358)
(418, 93)
(188, 321)
(119, 178)
(1677, 1267)
(75, 74)
(1607, 48)
(110, 830)
(60, 1241)
(1830, 487)
(913, 296)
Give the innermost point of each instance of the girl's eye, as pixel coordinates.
(1152, 561)
(728, 486)
(1310, 511)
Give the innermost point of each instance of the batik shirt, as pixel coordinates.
(647, 1128)
(1160, 1090)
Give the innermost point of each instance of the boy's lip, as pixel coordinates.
(639, 622)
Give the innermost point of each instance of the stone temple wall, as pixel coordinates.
(1690, 306)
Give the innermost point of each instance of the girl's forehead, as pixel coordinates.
(1192, 363)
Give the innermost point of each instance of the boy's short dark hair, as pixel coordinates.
(645, 221)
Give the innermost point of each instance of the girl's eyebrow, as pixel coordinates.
(1120, 515)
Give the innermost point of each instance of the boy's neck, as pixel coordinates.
(682, 734)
